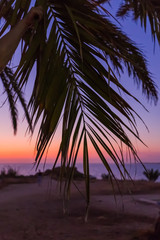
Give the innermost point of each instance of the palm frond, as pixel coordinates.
(18, 94)
(13, 94)
(11, 99)
(145, 11)
(77, 52)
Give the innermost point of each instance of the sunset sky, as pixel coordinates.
(20, 148)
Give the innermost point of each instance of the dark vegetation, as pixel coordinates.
(8, 173)
(151, 174)
(58, 172)
(106, 177)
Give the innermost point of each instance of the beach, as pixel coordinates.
(30, 211)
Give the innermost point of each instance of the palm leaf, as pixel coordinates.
(144, 11)
(78, 54)
(18, 94)
(11, 100)
(13, 94)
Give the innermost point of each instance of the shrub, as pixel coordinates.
(105, 176)
(10, 172)
(3, 173)
(151, 174)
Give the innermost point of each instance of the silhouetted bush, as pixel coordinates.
(105, 176)
(151, 174)
(10, 172)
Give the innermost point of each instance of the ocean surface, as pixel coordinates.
(96, 169)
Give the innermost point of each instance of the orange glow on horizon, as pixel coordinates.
(22, 149)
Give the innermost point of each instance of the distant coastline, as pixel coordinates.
(96, 169)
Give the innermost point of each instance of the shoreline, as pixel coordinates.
(96, 169)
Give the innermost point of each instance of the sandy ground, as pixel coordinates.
(33, 212)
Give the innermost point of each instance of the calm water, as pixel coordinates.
(96, 169)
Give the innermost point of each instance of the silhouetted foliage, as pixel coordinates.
(9, 172)
(151, 174)
(105, 176)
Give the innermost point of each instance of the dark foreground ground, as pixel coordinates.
(32, 212)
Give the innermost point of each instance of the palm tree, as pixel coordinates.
(79, 55)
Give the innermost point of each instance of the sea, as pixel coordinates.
(96, 169)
